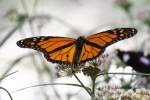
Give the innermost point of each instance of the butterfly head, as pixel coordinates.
(80, 38)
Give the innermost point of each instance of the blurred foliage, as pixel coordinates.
(124, 4)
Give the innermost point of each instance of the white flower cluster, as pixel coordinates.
(112, 92)
(63, 70)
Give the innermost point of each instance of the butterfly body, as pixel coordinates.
(72, 51)
(79, 45)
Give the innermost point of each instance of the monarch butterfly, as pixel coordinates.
(136, 60)
(70, 51)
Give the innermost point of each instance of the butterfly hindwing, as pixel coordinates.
(63, 56)
(106, 38)
(89, 52)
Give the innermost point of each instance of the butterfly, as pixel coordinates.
(70, 51)
(137, 60)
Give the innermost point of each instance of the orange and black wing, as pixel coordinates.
(56, 49)
(96, 44)
(89, 52)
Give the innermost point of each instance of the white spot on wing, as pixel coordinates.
(145, 60)
(126, 57)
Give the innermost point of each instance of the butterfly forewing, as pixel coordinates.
(55, 49)
(106, 38)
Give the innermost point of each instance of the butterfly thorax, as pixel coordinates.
(80, 41)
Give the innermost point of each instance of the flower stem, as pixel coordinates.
(82, 84)
(93, 88)
(7, 92)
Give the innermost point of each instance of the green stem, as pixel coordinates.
(82, 84)
(93, 88)
(5, 76)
